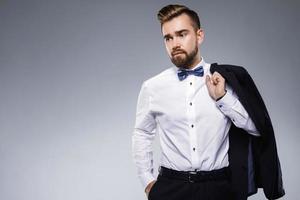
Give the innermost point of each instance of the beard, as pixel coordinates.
(184, 60)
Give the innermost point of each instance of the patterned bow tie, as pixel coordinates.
(182, 73)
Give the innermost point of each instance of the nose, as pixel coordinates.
(176, 43)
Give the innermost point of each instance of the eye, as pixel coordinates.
(182, 34)
(167, 39)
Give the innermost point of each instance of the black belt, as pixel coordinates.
(195, 176)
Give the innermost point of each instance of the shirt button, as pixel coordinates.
(220, 106)
(191, 103)
(233, 120)
(191, 83)
(192, 125)
(194, 149)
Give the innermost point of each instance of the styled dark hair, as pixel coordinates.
(173, 10)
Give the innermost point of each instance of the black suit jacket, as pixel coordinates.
(253, 160)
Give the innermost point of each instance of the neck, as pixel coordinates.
(195, 62)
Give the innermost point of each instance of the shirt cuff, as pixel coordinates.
(226, 102)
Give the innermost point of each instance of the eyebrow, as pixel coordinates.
(176, 33)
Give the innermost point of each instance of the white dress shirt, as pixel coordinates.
(192, 127)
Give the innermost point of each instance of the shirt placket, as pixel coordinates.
(191, 120)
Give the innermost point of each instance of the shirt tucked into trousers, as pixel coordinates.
(212, 187)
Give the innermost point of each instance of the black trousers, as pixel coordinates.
(174, 185)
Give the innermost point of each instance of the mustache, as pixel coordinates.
(176, 51)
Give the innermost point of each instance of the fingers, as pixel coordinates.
(215, 85)
(214, 79)
(217, 78)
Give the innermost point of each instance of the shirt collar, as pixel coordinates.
(201, 63)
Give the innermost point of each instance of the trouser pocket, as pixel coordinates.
(153, 190)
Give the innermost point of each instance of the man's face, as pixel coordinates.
(182, 40)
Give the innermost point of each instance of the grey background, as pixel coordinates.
(70, 73)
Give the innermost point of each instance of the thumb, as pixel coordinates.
(208, 80)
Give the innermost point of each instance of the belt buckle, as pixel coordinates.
(190, 174)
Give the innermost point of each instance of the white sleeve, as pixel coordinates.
(232, 108)
(143, 136)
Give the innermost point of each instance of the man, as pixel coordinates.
(216, 137)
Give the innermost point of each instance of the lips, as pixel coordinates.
(177, 53)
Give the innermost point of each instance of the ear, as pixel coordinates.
(200, 36)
